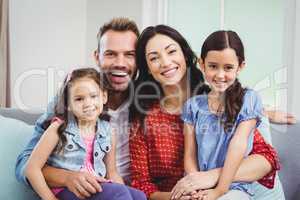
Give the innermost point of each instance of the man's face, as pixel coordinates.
(116, 57)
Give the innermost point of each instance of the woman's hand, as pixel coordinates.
(280, 117)
(195, 181)
(211, 194)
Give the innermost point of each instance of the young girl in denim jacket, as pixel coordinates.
(219, 126)
(78, 139)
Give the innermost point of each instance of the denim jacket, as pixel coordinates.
(74, 152)
(37, 133)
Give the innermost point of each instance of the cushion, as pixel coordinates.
(261, 192)
(14, 136)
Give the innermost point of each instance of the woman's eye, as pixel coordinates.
(153, 59)
(212, 66)
(78, 99)
(172, 51)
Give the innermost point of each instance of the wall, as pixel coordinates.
(50, 37)
(291, 53)
(46, 36)
(260, 25)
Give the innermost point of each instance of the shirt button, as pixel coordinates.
(70, 146)
(96, 154)
(107, 148)
(100, 174)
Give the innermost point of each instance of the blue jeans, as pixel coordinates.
(110, 191)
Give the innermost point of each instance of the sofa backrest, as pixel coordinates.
(27, 116)
(286, 140)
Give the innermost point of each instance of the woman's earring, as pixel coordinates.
(137, 74)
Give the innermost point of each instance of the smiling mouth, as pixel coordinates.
(169, 72)
(89, 111)
(118, 73)
(220, 83)
(118, 76)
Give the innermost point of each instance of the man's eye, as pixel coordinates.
(212, 66)
(130, 55)
(78, 99)
(109, 54)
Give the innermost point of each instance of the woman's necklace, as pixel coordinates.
(171, 108)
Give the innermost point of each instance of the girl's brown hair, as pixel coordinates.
(219, 41)
(61, 107)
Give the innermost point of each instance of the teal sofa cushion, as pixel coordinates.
(14, 136)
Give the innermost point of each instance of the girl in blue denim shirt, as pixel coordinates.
(79, 139)
(218, 126)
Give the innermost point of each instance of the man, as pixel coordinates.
(115, 56)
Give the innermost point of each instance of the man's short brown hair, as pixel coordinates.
(118, 24)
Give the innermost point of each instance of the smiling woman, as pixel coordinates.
(165, 60)
(156, 142)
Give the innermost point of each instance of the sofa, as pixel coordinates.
(16, 127)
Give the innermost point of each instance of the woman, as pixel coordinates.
(168, 76)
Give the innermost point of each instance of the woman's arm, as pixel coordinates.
(139, 166)
(38, 159)
(190, 160)
(253, 168)
(160, 196)
(190, 154)
(110, 161)
(236, 151)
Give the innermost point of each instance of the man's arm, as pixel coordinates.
(38, 132)
(82, 184)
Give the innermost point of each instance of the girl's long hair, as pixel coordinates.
(150, 86)
(234, 95)
(61, 110)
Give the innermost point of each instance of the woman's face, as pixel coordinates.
(165, 59)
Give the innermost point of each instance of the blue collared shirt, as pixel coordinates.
(211, 138)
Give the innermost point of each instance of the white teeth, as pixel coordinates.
(88, 111)
(169, 71)
(119, 73)
(220, 82)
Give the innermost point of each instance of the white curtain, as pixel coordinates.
(4, 55)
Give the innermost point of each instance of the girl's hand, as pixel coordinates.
(195, 181)
(211, 194)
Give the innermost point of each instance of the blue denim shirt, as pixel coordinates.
(38, 132)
